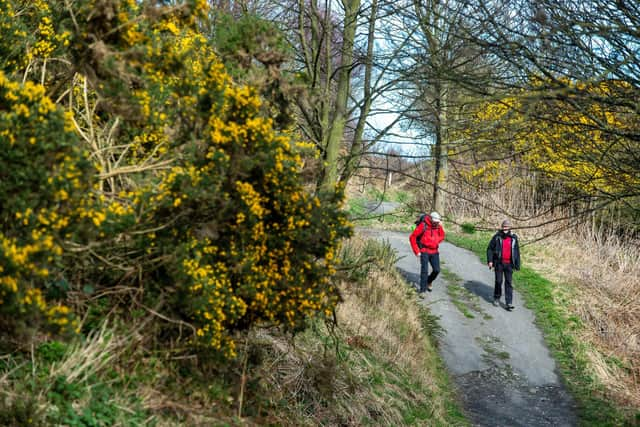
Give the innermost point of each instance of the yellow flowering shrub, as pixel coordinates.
(43, 176)
(580, 138)
(250, 245)
(169, 181)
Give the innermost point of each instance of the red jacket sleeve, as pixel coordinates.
(414, 235)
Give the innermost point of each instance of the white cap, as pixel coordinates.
(435, 216)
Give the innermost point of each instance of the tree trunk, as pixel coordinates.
(357, 147)
(339, 119)
(440, 152)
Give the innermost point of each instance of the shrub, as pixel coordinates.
(468, 228)
(186, 196)
(43, 179)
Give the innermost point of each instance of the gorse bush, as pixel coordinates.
(155, 174)
(43, 179)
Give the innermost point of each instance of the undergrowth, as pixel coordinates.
(375, 365)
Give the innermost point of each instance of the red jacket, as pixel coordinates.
(430, 239)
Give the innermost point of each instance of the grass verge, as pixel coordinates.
(377, 366)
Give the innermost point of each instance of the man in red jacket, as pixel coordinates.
(425, 240)
(503, 255)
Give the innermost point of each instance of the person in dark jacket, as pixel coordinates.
(503, 255)
(425, 239)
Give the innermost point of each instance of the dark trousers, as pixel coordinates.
(425, 277)
(505, 270)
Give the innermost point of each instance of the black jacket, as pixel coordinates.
(494, 250)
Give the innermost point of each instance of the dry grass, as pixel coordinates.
(90, 357)
(605, 274)
(111, 360)
(391, 320)
(363, 317)
(380, 365)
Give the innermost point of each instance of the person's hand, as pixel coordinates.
(490, 265)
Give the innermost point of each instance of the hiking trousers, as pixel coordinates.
(506, 271)
(425, 277)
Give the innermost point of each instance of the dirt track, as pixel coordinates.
(504, 373)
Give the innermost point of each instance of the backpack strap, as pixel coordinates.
(424, 230)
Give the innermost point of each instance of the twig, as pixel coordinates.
(163, 317)
(243, 377)
(165, 164)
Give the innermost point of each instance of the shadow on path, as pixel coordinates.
(480, 289)
(412, 279)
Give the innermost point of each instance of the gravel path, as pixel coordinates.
(381, 208)
(504, 373)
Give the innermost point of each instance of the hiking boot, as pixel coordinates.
(496, 302)
(510, 307)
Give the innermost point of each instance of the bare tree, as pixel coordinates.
(574, 68)
(439, 70)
